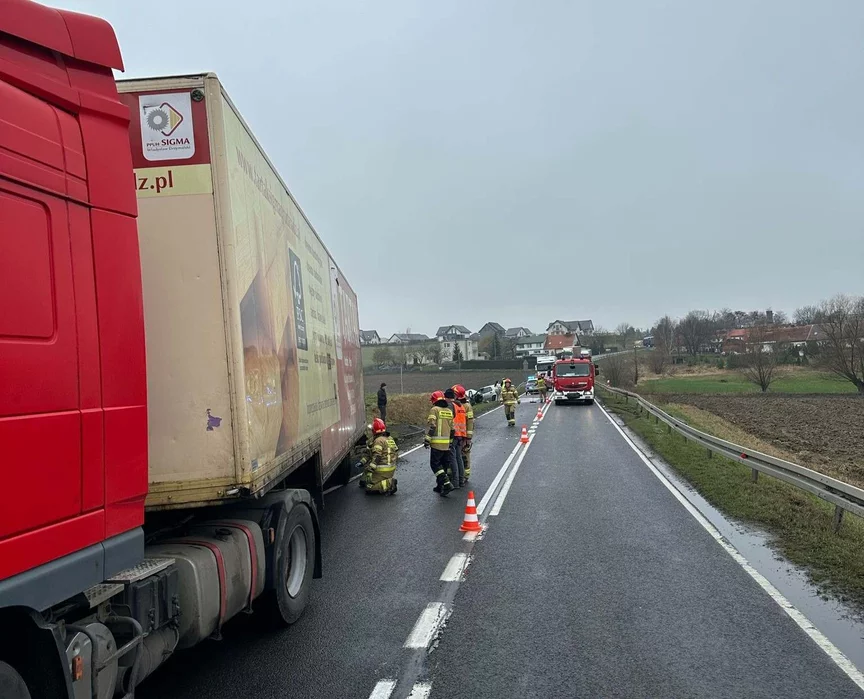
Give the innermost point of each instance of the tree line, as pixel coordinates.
(836, 346)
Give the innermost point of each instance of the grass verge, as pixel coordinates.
(800, 524)
(730, 381)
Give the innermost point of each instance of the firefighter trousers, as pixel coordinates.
(458, 477)
(510, 413)
(441, 463)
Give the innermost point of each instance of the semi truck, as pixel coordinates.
(180, 367)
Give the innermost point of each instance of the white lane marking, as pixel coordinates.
(411, 450)
(488, 411)
(487, 496)
(427, 625)
(832, 651)
(455, 567)
(383, 689)
(473, 536)
(499, 501)
(421, 690)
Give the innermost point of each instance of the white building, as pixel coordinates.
(530, 346)
(452, 336)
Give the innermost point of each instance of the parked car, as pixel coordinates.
(531, 385)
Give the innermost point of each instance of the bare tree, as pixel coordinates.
(695, 331)
(508, 348)
(615, 369)
(624, 330)
(761, 361)
(781, 318)
(841, 330)
(807, 315)
(382, 355)
(664, 341)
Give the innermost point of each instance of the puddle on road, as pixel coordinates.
(834, 619)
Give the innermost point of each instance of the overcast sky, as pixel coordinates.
(475, 160)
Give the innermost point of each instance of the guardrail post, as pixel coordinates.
(754, 476)
(838, 518)
(710, 453)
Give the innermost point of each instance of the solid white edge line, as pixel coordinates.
(499, 501)
(488, 411)
(487, 496)
(846, 665)
(427, 625)
(455, 567)
(411, 450)
(421, 690)
(383, 689)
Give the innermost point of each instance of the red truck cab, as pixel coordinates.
(573, 380)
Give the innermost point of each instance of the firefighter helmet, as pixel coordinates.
(507, 381)
(378, 426)
(459, 390)
(435, 397)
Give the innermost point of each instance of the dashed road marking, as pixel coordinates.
(455, 567)
(421, 690)
(427, 625)
(832, 651)
(383, 689)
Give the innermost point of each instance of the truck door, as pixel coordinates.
(50, 399)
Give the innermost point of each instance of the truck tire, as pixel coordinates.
(295, 564)
(11, 683)
(590, 401)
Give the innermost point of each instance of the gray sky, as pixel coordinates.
(563, 159)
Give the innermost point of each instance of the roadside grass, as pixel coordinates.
(730, 381)
(409, 409)
(800, 525)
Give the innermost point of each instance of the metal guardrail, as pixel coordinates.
(842, 495)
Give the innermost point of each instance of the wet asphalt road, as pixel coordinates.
(592, 581)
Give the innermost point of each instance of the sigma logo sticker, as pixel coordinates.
(166, 126)
(299, 301)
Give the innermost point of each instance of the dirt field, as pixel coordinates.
(823, 432)
(426, 382)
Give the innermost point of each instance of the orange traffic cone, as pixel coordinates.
(548, 400)
(539, 413)
(470, 523)
(524, 437)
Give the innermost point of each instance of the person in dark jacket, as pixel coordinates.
(382, 402)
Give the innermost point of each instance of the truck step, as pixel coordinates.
(148, 566)
(102, 592)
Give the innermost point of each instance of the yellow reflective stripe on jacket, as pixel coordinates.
(469, 418)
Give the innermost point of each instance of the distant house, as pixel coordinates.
(491, 329)
(407, 338)
(556, 344)
(452, 332)
(369, 337)
(530, 346)
(737, 341)
(566, 327)
(516, 333)
(452, 336)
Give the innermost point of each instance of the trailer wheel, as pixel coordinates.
(295, 564)
(12, 685)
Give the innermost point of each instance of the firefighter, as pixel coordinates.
(510, 397)
(437, 440)
(459, 435)
(379, 462)
(541, 388)
(469, 431)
